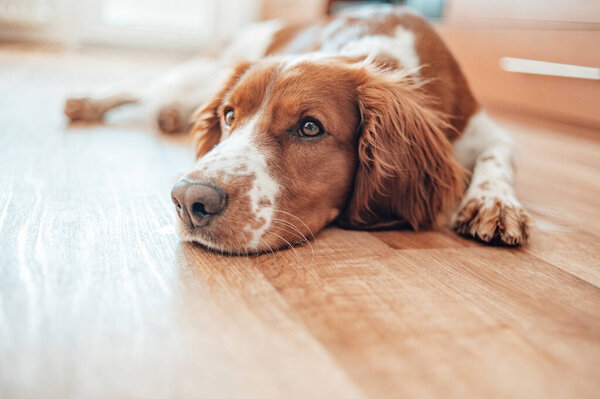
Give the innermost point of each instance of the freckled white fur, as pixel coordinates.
(489, 152)
(240, 155)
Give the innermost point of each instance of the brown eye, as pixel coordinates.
(229, 118)
(310, 128)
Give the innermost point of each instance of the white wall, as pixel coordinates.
(185, 24)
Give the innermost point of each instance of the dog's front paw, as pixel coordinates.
(83, 109)
(171, 119)
(492, 219)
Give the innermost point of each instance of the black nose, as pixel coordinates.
(198, 202)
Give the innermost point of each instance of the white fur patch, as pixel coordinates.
(239, 155)
(400, 46)
(337, 34)
(480, 134)
(341, 38)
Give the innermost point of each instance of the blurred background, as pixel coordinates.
(499, 43)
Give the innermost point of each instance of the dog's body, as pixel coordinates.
(364, 120)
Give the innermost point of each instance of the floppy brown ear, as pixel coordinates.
(407, 172)
(206, 128)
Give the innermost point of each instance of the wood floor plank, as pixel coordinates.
(229, 299)
(548, 313)
(558, 176)
(573, 251)
(407, 239)
(413, 304)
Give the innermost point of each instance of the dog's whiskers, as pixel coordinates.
(296, 217)
(297, 232)
(277, 235)
(289, 245)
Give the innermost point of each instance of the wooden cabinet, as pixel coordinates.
(483, 34)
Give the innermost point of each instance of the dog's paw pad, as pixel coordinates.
(492, 220)
(170, 119)
(83, 109)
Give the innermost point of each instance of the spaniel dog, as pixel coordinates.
(364, 120)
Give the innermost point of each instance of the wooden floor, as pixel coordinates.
(99, 299)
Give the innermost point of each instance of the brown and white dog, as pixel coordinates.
(364, 120)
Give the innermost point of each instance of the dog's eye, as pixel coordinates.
(229, 118)
(310, 128)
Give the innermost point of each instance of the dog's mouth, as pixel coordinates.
(231, 248)
(221, 232)
(203, 238)
(235, 232)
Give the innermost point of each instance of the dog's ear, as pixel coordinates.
(406, 169)
(206, 128)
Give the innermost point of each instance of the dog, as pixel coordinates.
(363, 120)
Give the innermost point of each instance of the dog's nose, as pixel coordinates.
(198, 202)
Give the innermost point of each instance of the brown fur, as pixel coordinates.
(447, 84)
(206, 128)
(407, 171)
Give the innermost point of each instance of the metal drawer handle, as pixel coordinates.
(534, 67)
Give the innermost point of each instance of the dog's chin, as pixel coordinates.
(231, 247)
(196, 237)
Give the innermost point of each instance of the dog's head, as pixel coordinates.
(289, 146)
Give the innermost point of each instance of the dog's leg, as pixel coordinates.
(169, 100)
(489, 210)
(90, 109)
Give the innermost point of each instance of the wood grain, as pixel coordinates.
(99, 299)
